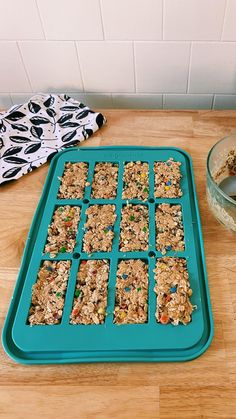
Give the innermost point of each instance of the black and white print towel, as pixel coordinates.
(33, 132)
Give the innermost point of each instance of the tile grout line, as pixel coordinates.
(100, 8)
(162, 23)
(134, 67)
(224, 18)
(79, 64)
(189, 67)
(213, 101)
(41, 20)
(24, 66)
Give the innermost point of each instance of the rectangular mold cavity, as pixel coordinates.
(90, 297)
(110, 341)
(99, 235)
(136, 180)
(63, 229)
(173, 291)
(169, 228)
(48, 293)
(131, 300)
(105, 180)
(167, 179)
(73, 181)
(134, 228)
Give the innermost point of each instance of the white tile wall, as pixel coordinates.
(107, 66)
(73, 19)
(126, 53)
(161, 67)
(132, 19)
(193, 19)
(52, 65)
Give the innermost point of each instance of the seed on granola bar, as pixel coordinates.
(169, 228)
(173, 291)
(131, 304)
(135, 181)
(134, 228)
(61, 236)
(105, 181)
(98, 237)
(73, 181)
(90, 298)
(167, 179)
(48, 293)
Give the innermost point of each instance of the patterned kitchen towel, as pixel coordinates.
(33, 132)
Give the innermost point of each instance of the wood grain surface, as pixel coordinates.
(203, 388)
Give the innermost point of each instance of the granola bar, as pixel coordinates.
(131, 304)
(167, 179)
(134, 228)
(173, 291)
(48, 293)
(169, 228)
(99, 233)
(62, 231)
(90, 299)
(105, 181)
(73, 181)
(135, 181)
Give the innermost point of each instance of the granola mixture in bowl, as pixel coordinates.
(167, 179)
(90, 298)
(173, 291)
(136, 183)
(48, 293)
(99, 232)
(169, 228)
(73, 181)
(62, 230)
(134, 234)
(104, 184)
(131, 304)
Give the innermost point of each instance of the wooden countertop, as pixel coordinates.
(203, 388)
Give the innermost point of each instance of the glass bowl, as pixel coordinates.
(222, 206)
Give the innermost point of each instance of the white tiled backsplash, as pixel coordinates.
(171, 54)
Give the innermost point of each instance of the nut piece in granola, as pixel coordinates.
(167, 179)
(134, 228)
(90, 299)
(131, 304)
(136, 184)
(48, 293)
(104, 184)
(169, 228)
(99, 232)
(73, 181)
(62, 231)
(173, 291)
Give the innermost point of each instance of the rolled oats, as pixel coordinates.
(105, 180)
(173, 291)
(99, 232)
(134, 232)
(136, 184)
(169, 228)
(73, 181)
(167, 179)
(131, 304)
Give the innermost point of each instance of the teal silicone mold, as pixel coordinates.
(151, 341)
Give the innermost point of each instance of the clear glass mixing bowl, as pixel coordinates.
(222, 206)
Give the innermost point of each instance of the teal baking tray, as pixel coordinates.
(152, 341)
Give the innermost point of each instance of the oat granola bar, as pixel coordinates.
(169, 228)
(173, 291)
(62, 231)
(131, 304)
(167, 179)
(105, 181)
(134, 232)
(48, 293)
(136, 181)
(99, 233)
(90, 300)
(73, 181)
